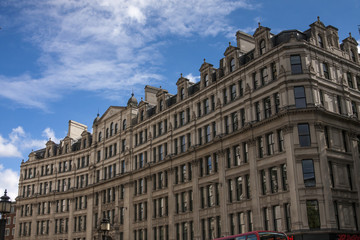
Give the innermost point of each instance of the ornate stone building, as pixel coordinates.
(269, 140)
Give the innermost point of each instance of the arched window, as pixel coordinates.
(124, 125)
(111, 129)
(161, 105)
(320, 41)
(116, 128)
(232, 64)
(352, 55)
(182, 94)
(206, 80)
(262, 47)
(142, 115)
(107, 132)
(100, 137)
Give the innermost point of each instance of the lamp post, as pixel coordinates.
(105, 227)
(5, 206)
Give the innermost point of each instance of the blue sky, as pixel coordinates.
(64, 60)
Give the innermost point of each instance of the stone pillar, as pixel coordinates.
(89, 216)
(71, 218)
(254, 186)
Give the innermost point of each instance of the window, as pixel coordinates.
(206, 80)
(280, 140)
(232, 64)
(234, 120)
(266, 218)
(358, 82)
(262, 47)
(182, 94)
(270, 143)
(264, 76)
(349, 79)
(331, 174)
(255, 81)
(349, 176)
(161, 105)
(312, 209)
(326, 71)
(284, 177)
(273, 71)
(233, 92)
(124, 125)
(277, 217)
(320, 41)
(344, 140)
(261, 147)
(274, 180)
(241, 88)
(263, 181)
(354, 109)
(304, 135)
(242, 116)
(295, 61)
(267, 107)
(308, 173)
(352, 55)
(338, 100)
(206, 106)
(257, 111)
(224, 96)
(300, 97)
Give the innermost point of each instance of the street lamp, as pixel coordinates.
(5, 206)
(105, 227)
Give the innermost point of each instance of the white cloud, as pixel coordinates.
(20, 142)
(9, 181)
(358, 41)
(106, 45)
(192, 78)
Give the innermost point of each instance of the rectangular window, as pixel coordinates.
(224, 96)
(313, 214)
(241, 88)
(344, 139)
(338, 100)
(349, 176)
(264, 76)
(284, 177)
(273, 71)
(257, 111)
(295, 61)
(331, 174)
(227, 125)
(242, 116)
(233, 92)
(274, 180)
(287, 216)
(267, 107)
(260, 147)
(277, 217)
(300, 97)
(326, 71)
(308, 172)
(263, 182)
(304, 135)
(246, 152)
(270, 143)
(354, 109)
(336, 211)
(234, 121)
(255, 81)
(349, 79)
(206, 106)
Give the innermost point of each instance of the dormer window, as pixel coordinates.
(206, 80)
(320, 41)
(352, 55)
(142, 115)
(161, 105)
(124, 125)
(232, 64)
(262, 47)
(182, 94)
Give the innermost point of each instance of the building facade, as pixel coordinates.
(269, 140)
(10, 223)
